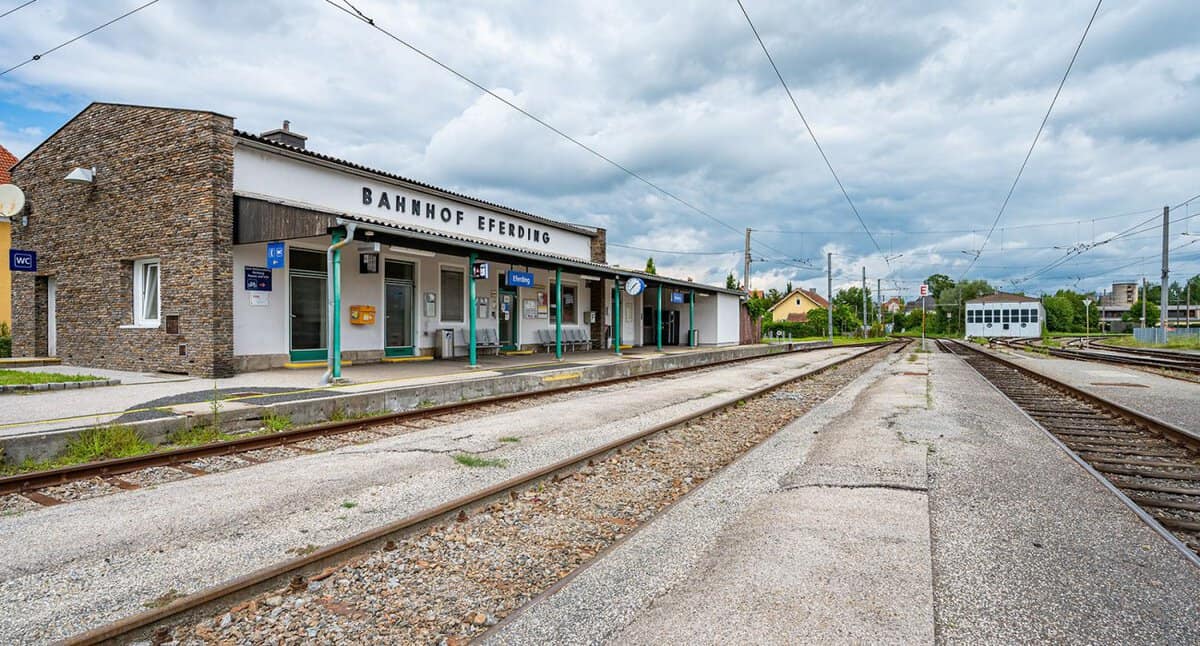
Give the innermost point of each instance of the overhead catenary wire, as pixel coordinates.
(807, 127)
(38, 57)
(676, 252)
(1036, 137)
(18, 8)
(353, 12)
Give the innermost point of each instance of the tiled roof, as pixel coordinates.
(7, 161)
(1001, 297)
(810, 294)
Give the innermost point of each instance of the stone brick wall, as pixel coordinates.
(164, 189)
(600, 246)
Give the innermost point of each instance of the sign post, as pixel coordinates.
(924, 293)
(275, 255)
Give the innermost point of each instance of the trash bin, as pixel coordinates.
(695, 337)
(445, 345)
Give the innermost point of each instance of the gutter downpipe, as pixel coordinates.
(333, 300)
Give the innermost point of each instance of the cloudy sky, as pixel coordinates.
(925, 107)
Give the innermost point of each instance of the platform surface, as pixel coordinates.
(916, 506)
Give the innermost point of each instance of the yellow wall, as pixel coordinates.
(5, 277)
(788, 306)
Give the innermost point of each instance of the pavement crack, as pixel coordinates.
(859, 485)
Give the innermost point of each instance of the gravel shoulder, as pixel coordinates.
(68, 568)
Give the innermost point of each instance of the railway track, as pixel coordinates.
(295, 574)
(1165, 362)
(115, 474)
(1153, 466)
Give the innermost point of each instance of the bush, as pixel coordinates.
(794, 329)
(5, 341)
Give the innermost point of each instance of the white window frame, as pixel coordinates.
(139, 270)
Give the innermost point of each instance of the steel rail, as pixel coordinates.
(32, 481)
(296, 570)
(1191, 367)
(1141, 420)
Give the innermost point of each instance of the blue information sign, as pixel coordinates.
(274, 256)
(258, 279)
(518, 279)
(19, 260)
(676, 297)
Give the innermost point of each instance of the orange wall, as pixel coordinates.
(5, 277)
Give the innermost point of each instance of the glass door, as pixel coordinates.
(306, 276)
(508, 319)
(398, 308)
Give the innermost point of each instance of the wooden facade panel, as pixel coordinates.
(261, 221)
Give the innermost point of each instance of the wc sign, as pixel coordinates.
(19, 260)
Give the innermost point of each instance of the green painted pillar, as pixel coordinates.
(692, 320)
(473, 360)
(659, 335)
(617, 314)
(335, 275)
(558, 313)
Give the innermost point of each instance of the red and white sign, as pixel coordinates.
(924, 290)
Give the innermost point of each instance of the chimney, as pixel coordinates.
(285, 136)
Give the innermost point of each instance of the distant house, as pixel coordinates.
(796, 305)
(930, 304)
(893, 305)
(1005, 315)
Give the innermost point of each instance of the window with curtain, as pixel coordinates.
(146, 299)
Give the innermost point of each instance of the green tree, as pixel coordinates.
(650, 266)
(852, 297)
(758, 306)
(788, 289)
(1134, 315)
(1060, 313)
(938, 283)
(731, 282)
(952, 301)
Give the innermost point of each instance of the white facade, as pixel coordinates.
(1005, 319)
(329, 187)
(287, 321)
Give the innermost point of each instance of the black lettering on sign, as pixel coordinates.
(482, 223)
(521, 231)
(458, 217)
(416, 207)
(502, 223)
(546, 238)
(446, 214)
(400, 199)
(430, 210)
(367, 195)
(491, 224)
(384, 203)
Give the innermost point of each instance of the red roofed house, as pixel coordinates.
(7, 161)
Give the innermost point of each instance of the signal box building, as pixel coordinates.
(1005, 315)
(167, 240)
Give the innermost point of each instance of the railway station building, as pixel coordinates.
(1005, 315)
(167, 240)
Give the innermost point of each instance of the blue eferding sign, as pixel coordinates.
(258, 279)
(634, 286)
(518, 279)
(19, 260)
(274, 255)
(676, 297)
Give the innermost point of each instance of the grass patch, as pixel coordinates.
(99, 443)
(21, 377)
(302, 551)
(275, 423)
(1173, 344)
(912, 356)
(468, 460)
(349, 504)
(510, 439)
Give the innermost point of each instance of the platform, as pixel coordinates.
(916, 506)
(37, 425)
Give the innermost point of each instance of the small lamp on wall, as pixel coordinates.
(81, 176)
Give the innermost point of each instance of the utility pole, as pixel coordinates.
(1145, 295)
(829, 292)
(879, 299)
(746, 262)
(1164, 293)
(866, 323)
